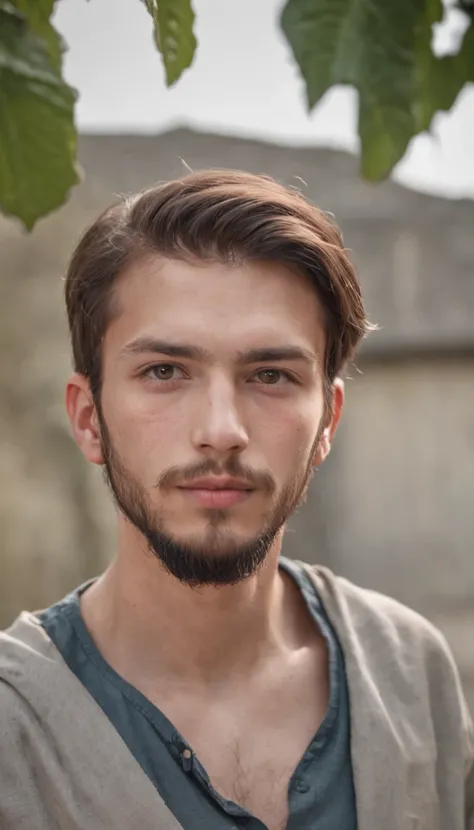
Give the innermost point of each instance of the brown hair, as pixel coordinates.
(219, 215)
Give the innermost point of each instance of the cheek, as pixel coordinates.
(135, 413)
(143, 437)
(290, 441)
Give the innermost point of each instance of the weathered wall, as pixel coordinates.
(53, 527)
(393, 506)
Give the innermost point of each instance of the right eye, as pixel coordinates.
(163, 372)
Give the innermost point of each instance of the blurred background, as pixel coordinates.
(393, 507)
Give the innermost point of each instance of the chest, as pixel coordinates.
(255, 770)
(251, 742)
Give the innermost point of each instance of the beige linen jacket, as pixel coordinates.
(63, 766)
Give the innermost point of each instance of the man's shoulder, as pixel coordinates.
(15, 664)
(27, 656)
(397, 648)
(378, 616)
(25, 635)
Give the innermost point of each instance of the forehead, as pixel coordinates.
(217, 305)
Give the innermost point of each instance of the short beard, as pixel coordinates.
(195, 565)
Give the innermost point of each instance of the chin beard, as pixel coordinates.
(219, 561)
(207, 565)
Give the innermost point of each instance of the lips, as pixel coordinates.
(217, 483)
(217, 493)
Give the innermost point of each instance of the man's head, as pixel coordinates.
(210, 320)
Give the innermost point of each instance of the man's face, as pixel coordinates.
(211, 409)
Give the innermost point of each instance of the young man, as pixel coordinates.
(204, 680)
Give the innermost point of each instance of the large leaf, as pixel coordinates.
(383, 49)
(38, 14)
(174, 36)
(37, 135)
(440, 80)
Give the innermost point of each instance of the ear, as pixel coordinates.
(83, 417)
(333, 417)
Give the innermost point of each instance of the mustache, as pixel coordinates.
(257, 479)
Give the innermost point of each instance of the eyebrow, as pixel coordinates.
(145, 345)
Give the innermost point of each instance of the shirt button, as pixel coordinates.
(302, 787)
(187, 760)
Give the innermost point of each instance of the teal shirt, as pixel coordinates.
(321, 790)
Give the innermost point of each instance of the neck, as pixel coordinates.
(145, 622)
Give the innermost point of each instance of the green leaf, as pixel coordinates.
(383, 49)
(174, 36)
(38, 14)
(440, 80)
(37, 135)
(370, 45)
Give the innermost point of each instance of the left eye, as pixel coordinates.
(270, 377)
(162, 371)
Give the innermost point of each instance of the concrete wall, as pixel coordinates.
(393, 508)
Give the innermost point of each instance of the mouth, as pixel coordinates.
(217, 493)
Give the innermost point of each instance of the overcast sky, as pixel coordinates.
(243, 82)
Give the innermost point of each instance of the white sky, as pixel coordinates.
(243, 82)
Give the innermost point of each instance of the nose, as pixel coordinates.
(218, 425)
